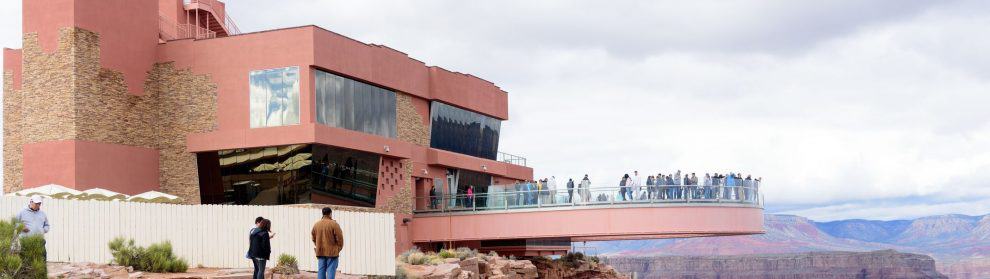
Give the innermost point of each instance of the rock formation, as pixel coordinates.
(819, 265)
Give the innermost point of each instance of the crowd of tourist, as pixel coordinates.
(676, 186)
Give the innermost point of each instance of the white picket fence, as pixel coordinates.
(209, 235)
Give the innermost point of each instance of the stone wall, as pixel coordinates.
(409, 123)
(12, 141)
(67, 95)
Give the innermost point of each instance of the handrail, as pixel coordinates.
(222, 17)
(169, 30)
(589, 197)
(511, 159)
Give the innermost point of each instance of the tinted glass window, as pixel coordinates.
(462, 131)
(274, 97)
(354, 105)
(289, 175)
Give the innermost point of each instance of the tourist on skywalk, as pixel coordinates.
(634, 186)
(747, 187)
(622, 186)
(650, 181)
(552, 185)
(570, 190)
(705, 190)
(586, 189)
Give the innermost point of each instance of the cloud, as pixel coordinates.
(833, 103)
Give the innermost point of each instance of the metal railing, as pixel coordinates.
(511, 159)
(169, 30)
(501, 198)
(221, 14)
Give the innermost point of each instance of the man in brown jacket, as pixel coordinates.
(329, 240)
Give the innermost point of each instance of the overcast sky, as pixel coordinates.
(847, 109)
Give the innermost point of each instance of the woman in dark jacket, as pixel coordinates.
(261, 248)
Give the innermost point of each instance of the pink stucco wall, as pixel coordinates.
(590, 222)
(84, 165)
(128, 31)
(13, 63)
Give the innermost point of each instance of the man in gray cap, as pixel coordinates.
(35, 222)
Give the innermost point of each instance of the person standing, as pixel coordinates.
(623, 187)
(634, 188)
(35, 221)
(470, 196)
(552, 185)
(329, 240)
(570, 190)
(586, 189)
(261, 248)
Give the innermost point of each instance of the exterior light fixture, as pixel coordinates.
(387, 149)
(425, 172)
(484, 167)
(406, 221)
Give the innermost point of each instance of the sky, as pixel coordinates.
(846, 109)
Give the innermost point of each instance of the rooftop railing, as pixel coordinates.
(511, 159)
(508, 198)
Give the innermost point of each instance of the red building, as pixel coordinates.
(169, 95)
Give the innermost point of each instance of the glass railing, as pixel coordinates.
(507, 198)
(511, 159)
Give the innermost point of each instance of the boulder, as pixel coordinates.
(417, 271)
(483, 268)
(471, 265)
(445, 271)
(451, 260)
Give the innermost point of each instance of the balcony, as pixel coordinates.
(511, 159)
(594, 214)
(508, 198)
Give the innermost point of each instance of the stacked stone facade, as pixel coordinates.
(67, 95)
(409, 122)
(12, 138)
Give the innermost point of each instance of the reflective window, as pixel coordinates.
(354, 105)
(274, 97)
(462, 131)
(302, 173)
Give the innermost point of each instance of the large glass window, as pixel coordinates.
(462, 131)
(274, 97)
(302, 173)
(345, 103)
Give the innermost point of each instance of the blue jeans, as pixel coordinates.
(259, 268)
(327, 267)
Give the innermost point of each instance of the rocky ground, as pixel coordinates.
(91, 270)
(495, 267)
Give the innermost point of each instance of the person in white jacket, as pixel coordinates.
(585, 189)
(552, 186)
(634, 186)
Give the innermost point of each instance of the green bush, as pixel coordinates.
(447, 254)
(156, 258)
(29, 262)
(287, 260)
(464, 253)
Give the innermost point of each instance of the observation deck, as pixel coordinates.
(594, 214)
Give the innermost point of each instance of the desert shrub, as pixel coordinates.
(447, 253)
(29, 262)
(417, 258)
(464, 253)
(404, 257)
(156, 258)
(287, 260)
(286, 264)
(594, 259)
(512, 257)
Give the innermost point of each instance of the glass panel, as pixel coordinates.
(466, 132)
(274, 97)
(289, 175)
(354, 105)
